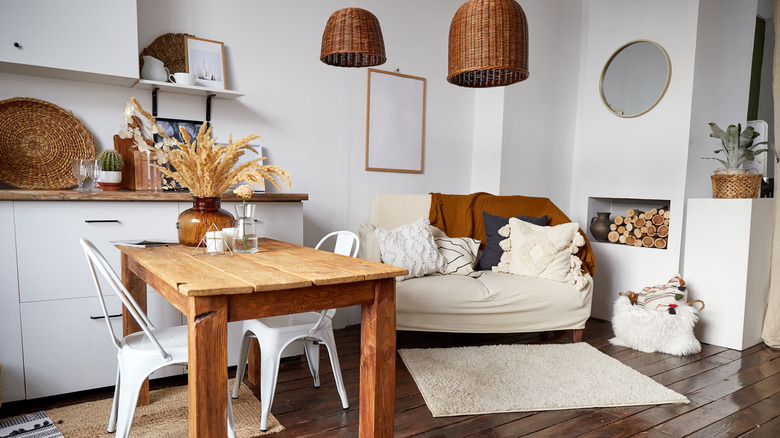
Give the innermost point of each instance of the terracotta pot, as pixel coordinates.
(194, 222)
(599, 226)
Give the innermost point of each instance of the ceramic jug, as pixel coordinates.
(154, 70)
(599, 226)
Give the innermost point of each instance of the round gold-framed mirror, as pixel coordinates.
(635, 78)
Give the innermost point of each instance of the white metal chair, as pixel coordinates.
(277, 332)
(138, 354)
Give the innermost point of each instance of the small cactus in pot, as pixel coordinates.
(111, 164)
(110, 160)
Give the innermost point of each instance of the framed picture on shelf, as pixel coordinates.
(206, 60)
(171, 128)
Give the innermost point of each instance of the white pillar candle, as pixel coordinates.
(227, 236)
(214, 242)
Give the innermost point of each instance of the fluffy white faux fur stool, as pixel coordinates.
(650, 330)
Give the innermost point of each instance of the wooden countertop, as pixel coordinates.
(132, 195)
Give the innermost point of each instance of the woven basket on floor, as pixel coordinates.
(735, 186)
(38, 139)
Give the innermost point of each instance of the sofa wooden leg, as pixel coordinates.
(578, 335)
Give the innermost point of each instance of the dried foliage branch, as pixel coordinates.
(202, 165)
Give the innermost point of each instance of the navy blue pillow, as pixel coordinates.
(492, 253)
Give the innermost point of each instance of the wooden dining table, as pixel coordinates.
(279, 279)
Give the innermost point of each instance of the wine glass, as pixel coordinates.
(79, 167)
(93, 172)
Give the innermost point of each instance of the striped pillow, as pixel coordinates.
(460, 254)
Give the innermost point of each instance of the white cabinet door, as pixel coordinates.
(91, 36)
(10, 324)
(67, 346)
(52, 265)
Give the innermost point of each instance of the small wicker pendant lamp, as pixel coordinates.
(352, 38)
(488, 44)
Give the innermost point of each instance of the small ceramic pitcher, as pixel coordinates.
(154, 70)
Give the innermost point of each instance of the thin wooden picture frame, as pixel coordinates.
(395, 122)
(206, 59)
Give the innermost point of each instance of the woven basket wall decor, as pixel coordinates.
(170, 48)
(735, 186)
(38, 139)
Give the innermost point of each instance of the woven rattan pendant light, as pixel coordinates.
(353, 38)
(488, 44)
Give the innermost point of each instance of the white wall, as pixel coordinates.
(540, 113)
(311, 116)
(722, 84)
(643, 157)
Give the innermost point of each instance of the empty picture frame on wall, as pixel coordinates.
(395, 122)
(206, 59)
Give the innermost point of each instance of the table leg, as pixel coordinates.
(137, 289)
(207, 331)
(377, 362)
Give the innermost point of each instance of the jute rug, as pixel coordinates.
(165, 416)
(516, 378)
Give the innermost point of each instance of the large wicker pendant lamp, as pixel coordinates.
(488, 44)
(352, 38)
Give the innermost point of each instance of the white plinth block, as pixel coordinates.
(728, 247)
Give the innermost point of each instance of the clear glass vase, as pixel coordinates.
(244, 235)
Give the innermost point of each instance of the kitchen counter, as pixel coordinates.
(132, 195)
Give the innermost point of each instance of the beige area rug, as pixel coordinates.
(165, 416)
(516, 378)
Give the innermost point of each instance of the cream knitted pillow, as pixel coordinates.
(411, 247)
(542, 252)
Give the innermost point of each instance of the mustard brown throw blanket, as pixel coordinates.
(461, 216)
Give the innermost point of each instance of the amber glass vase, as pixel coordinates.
(194, 222)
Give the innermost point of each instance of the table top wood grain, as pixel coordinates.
(276, 266)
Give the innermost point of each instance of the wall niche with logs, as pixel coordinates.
(641, 223)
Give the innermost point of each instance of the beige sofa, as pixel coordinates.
(492, 303)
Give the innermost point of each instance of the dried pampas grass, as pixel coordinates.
(202, 165)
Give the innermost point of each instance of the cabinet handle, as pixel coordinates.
(17, 45)
(102, 221)
(103, 317)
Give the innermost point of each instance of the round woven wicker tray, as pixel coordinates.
(38, 139)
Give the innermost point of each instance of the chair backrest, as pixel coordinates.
(347, 243)
(99, 263)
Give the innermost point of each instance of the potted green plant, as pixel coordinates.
(738, 147)
(111, 164)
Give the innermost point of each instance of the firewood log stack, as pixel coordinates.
(641, 229)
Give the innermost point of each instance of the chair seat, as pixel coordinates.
(172, 339)
(293, 322)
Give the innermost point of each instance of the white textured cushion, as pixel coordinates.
(411, 247)
(460, 254)
(542, 252)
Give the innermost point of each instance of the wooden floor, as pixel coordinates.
(732, 393)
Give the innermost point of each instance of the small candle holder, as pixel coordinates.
(213, 242)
